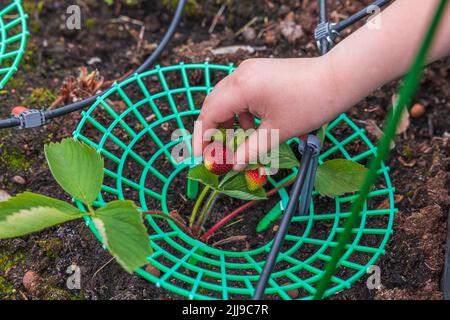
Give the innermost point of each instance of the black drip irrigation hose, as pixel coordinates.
(278, 241)
(77, 106)
(338, 27)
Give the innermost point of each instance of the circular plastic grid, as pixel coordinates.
(131, 127)
(13, 38)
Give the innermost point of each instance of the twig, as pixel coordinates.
(216, 18)
(248, 24)
(228, 240)
(102, 267)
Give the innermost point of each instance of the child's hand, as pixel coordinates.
(296, 96)
(293, 96)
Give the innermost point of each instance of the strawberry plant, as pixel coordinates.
(78, 169)
(334, 178)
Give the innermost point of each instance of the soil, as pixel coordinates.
(109, 41)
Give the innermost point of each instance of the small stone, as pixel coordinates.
(94, 60)
(270, 38)
(294, 293)
(289, 29)
(18, 179)
(153, 270)
(4, 195)
(249, 34)
(30, 279)
(418, 110)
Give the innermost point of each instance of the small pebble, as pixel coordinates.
(30, 279)
(18, 180)
(249, 34)
(418, 110)
(270, 38)
(4, 195)
(294, 293)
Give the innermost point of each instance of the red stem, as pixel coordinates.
(245, 206)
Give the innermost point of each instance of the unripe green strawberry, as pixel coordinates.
(218, 159)
(255, 180)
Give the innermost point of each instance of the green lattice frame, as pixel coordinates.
(13, 39)
(130, 115)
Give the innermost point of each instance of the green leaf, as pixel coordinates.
(339, 176)
(285, 157)
(29, 212)
(77, 167)
(200, 173)
(122, 229)
(236, 187)
(322, 132)
(227, 177)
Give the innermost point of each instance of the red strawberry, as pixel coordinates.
(218, 159)
(255, 179)
(16, 111)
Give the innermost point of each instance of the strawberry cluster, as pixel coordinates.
(219, 160)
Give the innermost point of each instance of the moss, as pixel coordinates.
(190, 8)
(16, 82)
(90, 23)
(407, 152)
(40, 97)
(51, 247)
(29, 60)
(6, 288)
(55, 293)
(7, 261)
(35, 26)
(13, 158)
(32, 7)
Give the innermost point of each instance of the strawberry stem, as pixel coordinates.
(206, 210)
(197, 206)
(239, 210)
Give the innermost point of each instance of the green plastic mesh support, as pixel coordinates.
(13, 39)
(131, 126)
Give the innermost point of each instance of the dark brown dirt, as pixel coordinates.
(419, 163)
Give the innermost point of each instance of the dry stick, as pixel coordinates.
(208, 234)
(179, 224)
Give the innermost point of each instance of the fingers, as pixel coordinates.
(220, 107)
(246, 120)
(255, 148)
